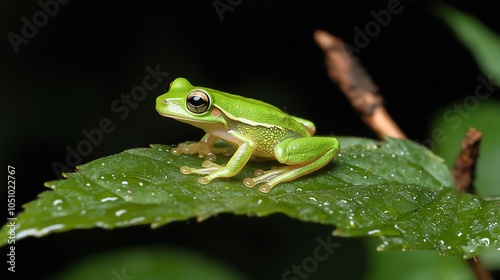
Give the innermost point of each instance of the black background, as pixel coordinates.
(67, 76)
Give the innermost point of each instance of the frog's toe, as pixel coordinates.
(203, 180)
(210, 164)
(210, 157)
(265, 188)
(176, 151)
(258, 172)
(249, 182)
(186, 170)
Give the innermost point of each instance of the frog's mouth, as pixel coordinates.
(185, 119)
(165, 115)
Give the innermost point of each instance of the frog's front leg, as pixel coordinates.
(240, 157)
(205, 148)
(301, 156)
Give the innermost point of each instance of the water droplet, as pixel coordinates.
(56, 202)
(397, 227)
(124, 183)
(299, 189)
(37, 232)
(313, 199)
(120, 212)
(485, 241)
(136, 220)
(140, 184)
(111, 198)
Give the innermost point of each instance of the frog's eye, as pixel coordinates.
(197, 101)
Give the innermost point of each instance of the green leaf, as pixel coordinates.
(394, 189)
(478, 38)
(148, 263)
(396, 265)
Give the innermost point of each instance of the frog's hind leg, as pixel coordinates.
(301, 156)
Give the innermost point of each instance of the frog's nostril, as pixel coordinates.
(165, 101)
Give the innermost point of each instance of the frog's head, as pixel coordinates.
(187, 103)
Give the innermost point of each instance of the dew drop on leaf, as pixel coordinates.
(56, 202)
(120, 212)
(485, 241)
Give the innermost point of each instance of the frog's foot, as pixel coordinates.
(208, 168)
(203, 149)
(266, 176)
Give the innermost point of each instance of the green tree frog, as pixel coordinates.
(255, 129)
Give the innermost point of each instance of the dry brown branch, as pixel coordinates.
(479, 269)
(463, 174)
(465, 164)
(345, 70)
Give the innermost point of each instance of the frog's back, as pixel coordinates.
(258, 113)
